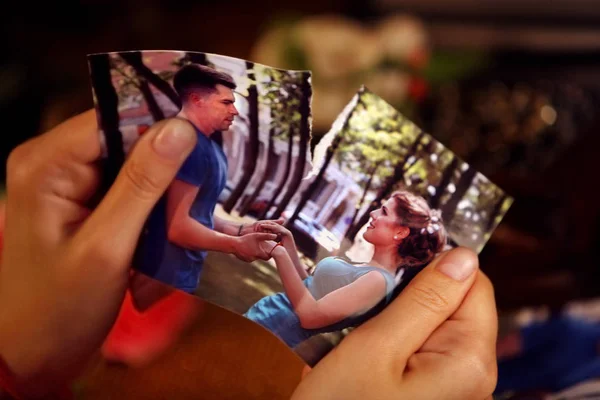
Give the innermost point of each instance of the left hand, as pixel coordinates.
(252, 228)
(65, 267)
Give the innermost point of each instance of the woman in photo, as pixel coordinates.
(406, 235)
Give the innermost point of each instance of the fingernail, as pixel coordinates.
(458, 265)
(174, 142)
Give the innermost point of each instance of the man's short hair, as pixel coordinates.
(199, 79)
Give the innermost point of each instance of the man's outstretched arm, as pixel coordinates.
(186, 232)
(240, 229)
(227, 227)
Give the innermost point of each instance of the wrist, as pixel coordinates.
(279, 251)
(233, 244)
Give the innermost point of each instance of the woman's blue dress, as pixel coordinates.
(276, 312)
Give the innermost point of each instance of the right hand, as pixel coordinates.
(250, 247)
(435, 341)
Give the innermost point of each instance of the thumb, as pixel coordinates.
(430, 298)
(144, 177)
(381, 346)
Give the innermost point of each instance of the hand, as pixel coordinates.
(252, 228)
(435, 341)
(251, 247)
(271, 227)
(65, 268)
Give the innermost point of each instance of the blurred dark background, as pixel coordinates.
(512, 87)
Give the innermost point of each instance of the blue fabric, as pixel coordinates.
(556, 354)
(206, 168)
(276, 312)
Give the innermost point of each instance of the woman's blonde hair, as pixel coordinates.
(427, 236)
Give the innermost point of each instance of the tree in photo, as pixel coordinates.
(252, 149)
(304, 142)
(129, 84)
(134, 58)
(279, 90)
(331, 151)
(107, 102)
(412, 138)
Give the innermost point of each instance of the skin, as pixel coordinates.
(63, 262)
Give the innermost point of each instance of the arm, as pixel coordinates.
(290, 247)
(354, 298)
(226, 227)
(186, 232)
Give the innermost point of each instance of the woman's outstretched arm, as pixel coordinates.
(287, 240)
(352, 299)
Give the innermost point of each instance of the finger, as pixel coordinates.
(114, 227)
(461, 354)
(431, 298)
(264, 236)
(52, 175)
(478, 314)
(273, 226)
(77, 138)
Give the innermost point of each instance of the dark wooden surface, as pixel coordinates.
(221, 356)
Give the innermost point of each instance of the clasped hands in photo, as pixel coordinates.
(65, 269)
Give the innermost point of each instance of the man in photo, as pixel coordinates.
(183, 227)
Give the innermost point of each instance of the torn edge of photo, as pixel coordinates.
(377, 183)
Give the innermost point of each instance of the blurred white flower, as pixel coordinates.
(336, 46)
(401, 37)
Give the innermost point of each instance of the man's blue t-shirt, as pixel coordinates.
(206, 167)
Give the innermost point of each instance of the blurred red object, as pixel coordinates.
(138, 337)
(417, 89)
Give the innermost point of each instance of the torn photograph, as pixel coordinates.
(308, 247)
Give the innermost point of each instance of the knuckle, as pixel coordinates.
(429, 298)
(19, 166)
(483, 370)
(139, 180)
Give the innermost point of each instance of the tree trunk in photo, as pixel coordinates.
(364, 195)
(135, 60)
(310, 190)
(435, 200)
(252, 149)
(108, 117)
(153, 107)
(331, 150)
(304, 143)
(286, 175)
(449, 208)
(270, 158)
(495, 212)
(386, 189)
